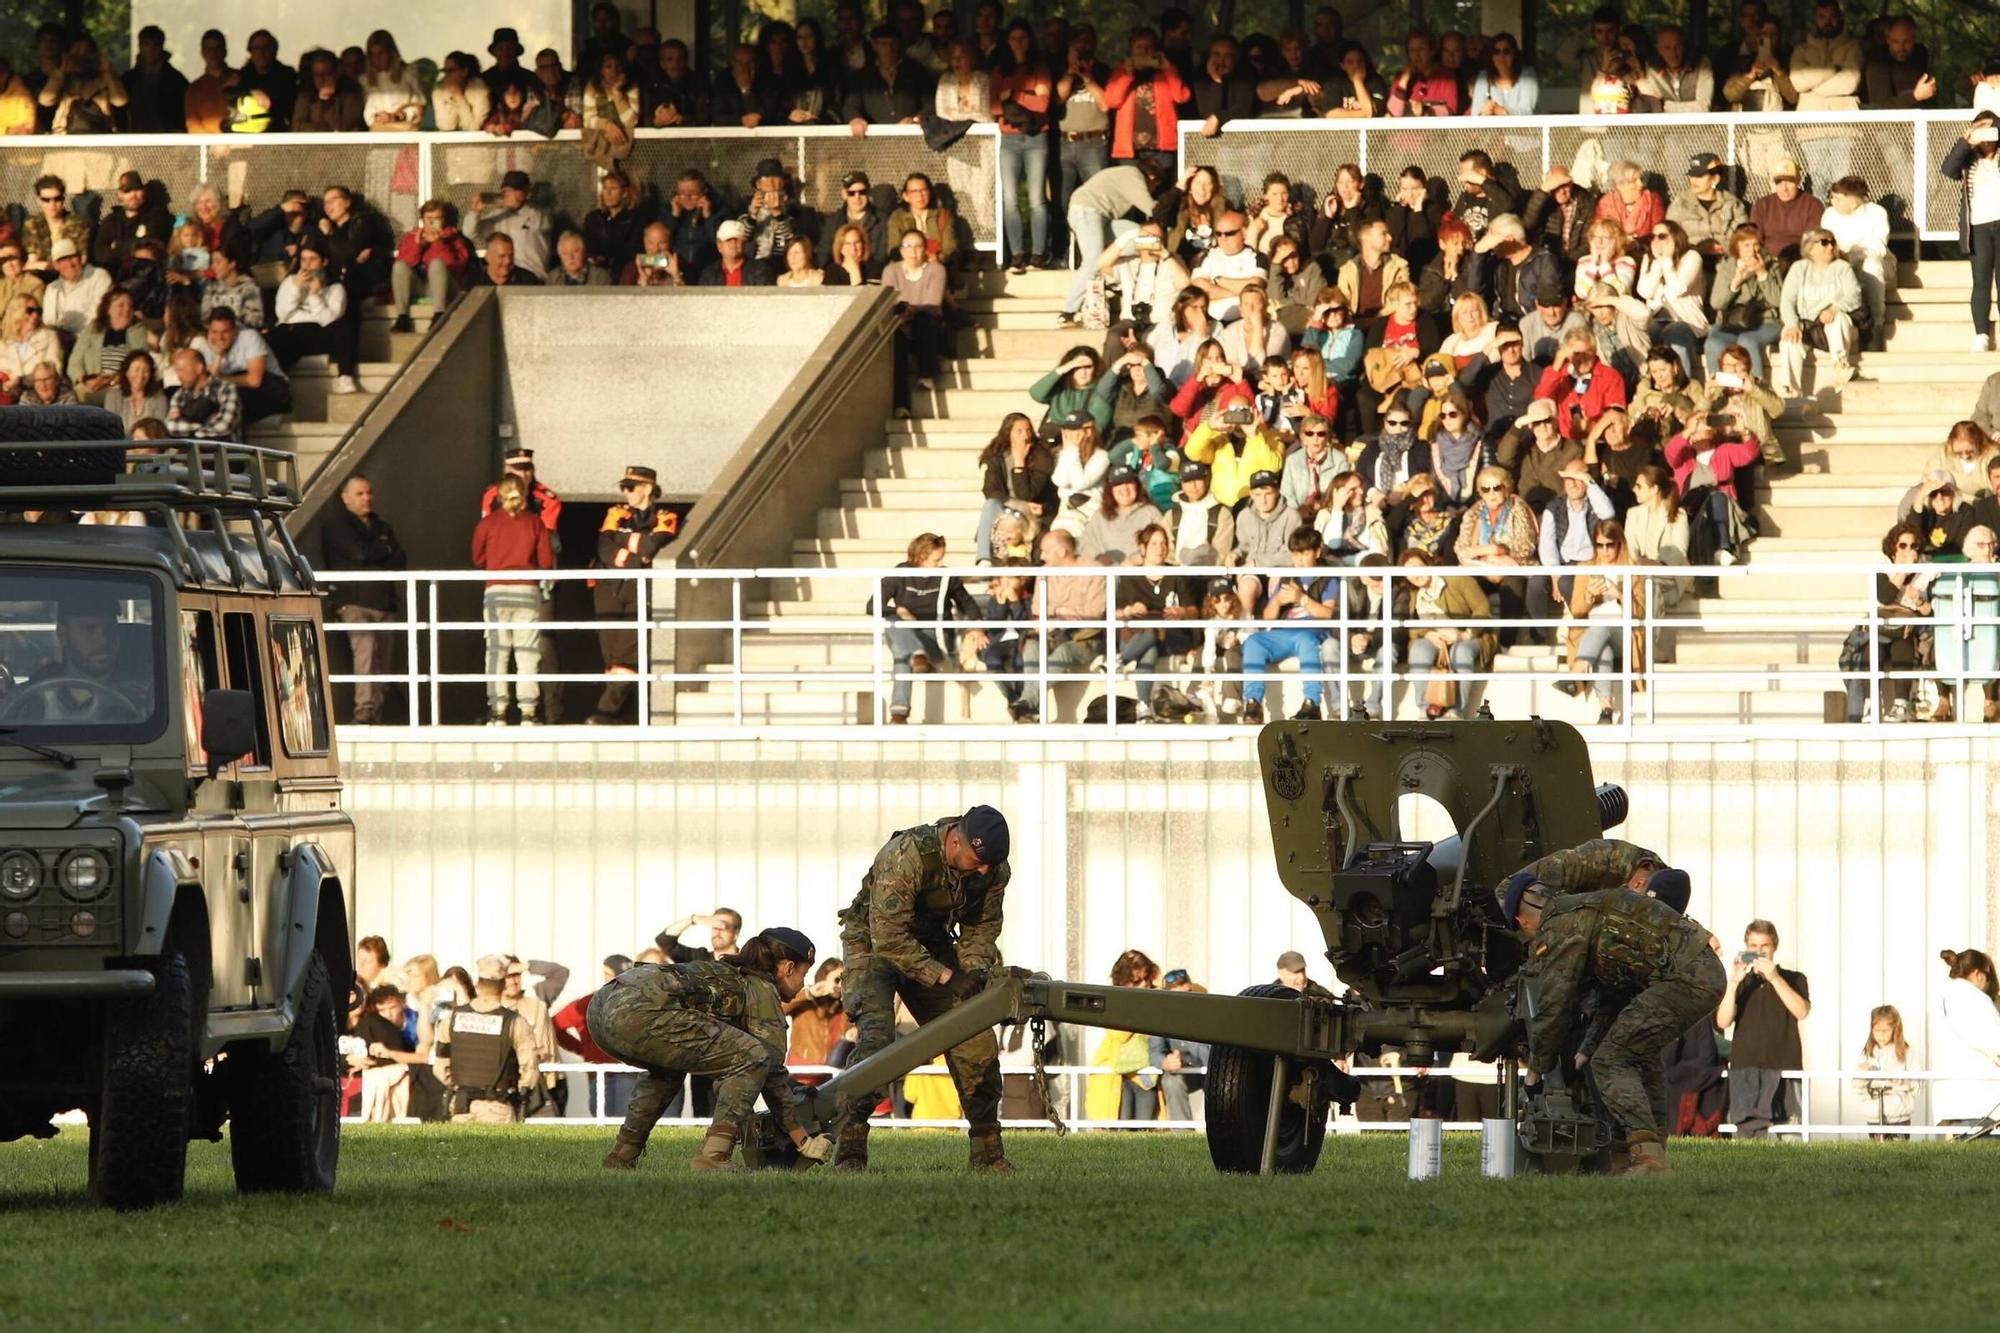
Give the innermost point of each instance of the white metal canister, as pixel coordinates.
(1426, 1149)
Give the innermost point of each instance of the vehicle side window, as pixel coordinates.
(201, 671)
(240, 650)
(301, 687)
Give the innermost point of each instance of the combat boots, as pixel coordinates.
(850, 1151)
(986, 1152)
(718, 1150)
(1649, 1155)
(1620, 1158)
(625, 1154)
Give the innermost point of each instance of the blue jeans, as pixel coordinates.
(1267, 646)
(1464, 657)
(1754, 342)
(982, 541)
(1600, 650)
(1093, 231)
(1077, 161)
(1025, 157)
(905, 644)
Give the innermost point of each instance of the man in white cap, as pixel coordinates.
(733, 267)
(1787, 213)
(70, 302)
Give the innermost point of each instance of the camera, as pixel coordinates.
(191, 260)
(1236, 416)
(1142, 312)
(653, 261)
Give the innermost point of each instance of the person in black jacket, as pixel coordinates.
(157, 91)
(356, 537)
(137, 217)
(732, 267)
(1414, 216)
(1220, 94)
(892, 91)
(915, 605)
(359, 246)
(612, 230)
(632, 534)
(1558, 216)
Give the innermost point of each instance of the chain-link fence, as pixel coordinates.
(1896, 154)
(90, 169)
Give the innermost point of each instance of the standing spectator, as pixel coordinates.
(744, 97)
(890, 90)
(611, 231)
(1764, 1006)
(263, 73)
(509, 538)
(559, 90)
(393, 94)
(435, 251)
(1860, 230)
(1678, 85)
(1972, 161)
(505, 51)
(1817, 307)
(1891, 1101)
(1787, 213)
(356, 537)
(1022, 91)
(1505, 86)
(676, 94)
(1098, 215)
(85, 93)
(610, 112)
(514, 217)
(242, 357)
(818, 1022)
(1899, 74)
(1708, 213)
(1967, 1041)
(314, 318)
(1826, 67)
(919, 284)
(460, 101)
(499, 268)
(328, 101)
(1141, 95)
(632, 534)
(207, 99)
(69, 302)
(156, 91)
(1085, 130)
(205, 406)
(915, 605)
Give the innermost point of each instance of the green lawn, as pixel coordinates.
(469, 1229)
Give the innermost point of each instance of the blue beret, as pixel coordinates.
(1510, 897)
(985, 831)
(1672, 887)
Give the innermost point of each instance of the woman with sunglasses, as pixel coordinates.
(15, 278)
(1900, 594)
(1602, 602)
(1818, 306)
(1422, 523)
(1670, 283)
(25, 342)
(1657, 531)
(1458, 451)
(1745, 294)
(1498, 534)
(1505, 87)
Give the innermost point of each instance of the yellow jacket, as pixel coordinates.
(1125, 1054)
(932, 1097)
(1263, 451)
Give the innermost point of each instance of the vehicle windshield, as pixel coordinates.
(80, 657)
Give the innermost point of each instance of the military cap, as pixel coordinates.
(985, 831)
(1671, 886)
(635, 472)
(519, 455)
(1517, 885)
(793, 942)
(493, 966)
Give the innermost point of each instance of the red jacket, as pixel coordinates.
(450, 247)
(572, 1024)
(542, 501)
(1124, 105)
(1728, 457)
(1194, 400)
(512, 541)
(1607, 389)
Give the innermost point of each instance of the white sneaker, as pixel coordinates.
(1725, 558)
(346, 384)
(1899, 711)
(1982, 342)
(902, 414)
(926, 385)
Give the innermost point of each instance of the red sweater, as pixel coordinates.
(1120, 96)
(572, 1024)
(1607, 389)
(511, 541)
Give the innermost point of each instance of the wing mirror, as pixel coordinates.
(228, 727)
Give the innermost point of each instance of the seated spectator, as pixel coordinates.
(1615, 452)
(937, 224)
(1396, 351)
(460, 101)
(1860, 230)
(1607, 261)
(1472, 331)
(230, 287)
(914, 604)
(1967, 456)
(1072, 387)
(1497, 533)
(71, 300)
(1190, 213)
(15, 279)
(694, 216)
(135, 217)
(393, 93)
(516, 107)
(84, 92)
(920, 286)
(17, 102)
(1746, 294)
(1898, 74)
(1505, 87)
(499, 268)
(1451, 273)
(1016, 468)
(101, 348)
(1558, 216)
(1414, 217)
(359, 247)
(1366, 280)
(1938, 517)
(1334, 229)
(1079, 600)
(1130, 389)
(1216, 384)
(1535, 452)
(1341, 347)
(851, 262)
(1123, 512)
(1146, 451)
(1481, 195)
(314, 320)
(1236, 446)
(1276, 214)
(24, 342)
(612, 230)
(1754, 408)
(1295, 284)
(328, 102)
(1756, 80)
(1422, 522)
(1078, 476)
(54, 222)
(801, 266)
(1304, 599)
(1679, 86)
(1899, 595)
(1508, 381)
(1279, 400)
(1424, 88)
(1707, 459)
(1225, 270)
(1452, 648)
(857, 210)
(1200, 529)
(1511, 272)
(45, 386)
(1607, 604)
(1568, 525)
(275, 235)
(433, 251)
(1262, 531)
(1151, 595)
(205, 406)
(1664, 400)
(1972, 655)
(1616, 324)
(1820, 298)
(137, 393)
(890, 90)
(241, 357)
(1352, 527)
(1636, 208)
(1254, 337)
(1787, 213)
(1614, 90)
(1706, 213)
(515, 217)
(1580, 385)
(656, 264)
(1355, 90)
(1656, 531)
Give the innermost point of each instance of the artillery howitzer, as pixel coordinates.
(1411, 927)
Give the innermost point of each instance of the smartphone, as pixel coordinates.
(1747, 958)
(1729, 379)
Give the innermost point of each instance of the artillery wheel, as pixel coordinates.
(1239, 1096)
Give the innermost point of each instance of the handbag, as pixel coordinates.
(1022, 119)
(1442, 689)
(1743, 317)
(1095, 312)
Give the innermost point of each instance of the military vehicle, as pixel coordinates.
(175, 866)
(1412, 927)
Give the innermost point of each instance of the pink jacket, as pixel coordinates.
(1727, 457)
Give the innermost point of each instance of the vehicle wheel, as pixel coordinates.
(1239, 1097)
(139, 1128)
(284, 1106)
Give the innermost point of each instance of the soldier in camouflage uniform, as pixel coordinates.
(1644, 972)
(721, 1017)
(926, 926)
(1601, 863)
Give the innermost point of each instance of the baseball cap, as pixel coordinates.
(1704, 164)
(1540, 409)
(1437, 365)
(855, 178)
(1291, 960)
(985, 831)
(131, 180)
(1120, 474)
(1196, 472)
(732, 230)
(1259, 480)
(492, 965)
(517, 180)
(63, 249)
(1076, 420)
(1785, 169)
(1672, 887)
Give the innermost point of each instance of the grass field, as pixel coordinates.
(468, 1228)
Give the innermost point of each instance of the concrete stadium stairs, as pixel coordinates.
(1734, 658)
(320, 419)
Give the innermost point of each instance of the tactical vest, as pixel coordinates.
(1635, 940)
(483, 1063)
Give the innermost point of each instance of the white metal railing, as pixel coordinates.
(1896, 152)
(1970, 631)
(1074, 1081)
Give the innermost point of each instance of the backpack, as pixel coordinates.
(1128, 711)
(87, 117)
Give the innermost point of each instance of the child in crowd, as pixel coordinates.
(1276, 390)
(1222, 650)
(1891, 1101)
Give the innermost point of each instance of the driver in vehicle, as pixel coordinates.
(90, 680)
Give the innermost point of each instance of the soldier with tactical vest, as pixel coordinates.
(1641, 971)
(485, 1056)
(926, 926)
(1601, 863)
(722, 1017)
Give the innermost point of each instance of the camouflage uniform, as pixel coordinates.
(915, 917)
(708, 1018)
(1649, 972)
(1601, 863)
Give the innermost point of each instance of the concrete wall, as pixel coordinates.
(422, 31)
(1869, 857)
(696, 371)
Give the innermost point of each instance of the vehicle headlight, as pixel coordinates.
(20, 875)
(85, 874)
